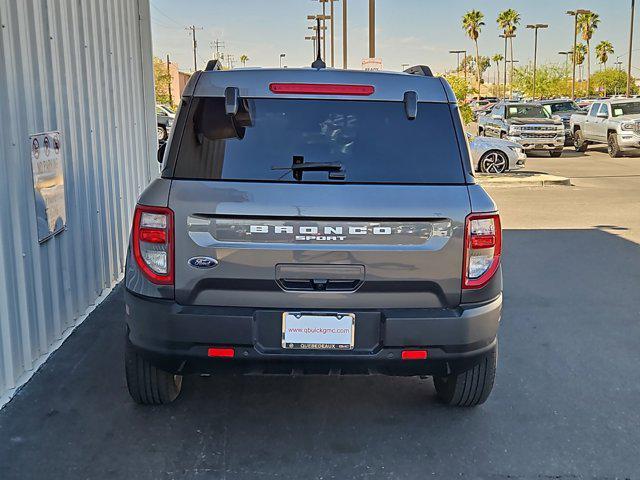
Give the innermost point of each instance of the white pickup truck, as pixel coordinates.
(614, 122)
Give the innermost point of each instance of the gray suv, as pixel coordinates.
(315, 221)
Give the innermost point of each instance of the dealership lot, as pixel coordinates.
(565, 403)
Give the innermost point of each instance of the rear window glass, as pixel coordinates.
(369, 142)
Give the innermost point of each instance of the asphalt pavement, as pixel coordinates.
(566, 402)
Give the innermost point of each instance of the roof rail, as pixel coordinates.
(213, 65)
(419, 70)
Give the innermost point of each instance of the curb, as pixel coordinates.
(528, 179)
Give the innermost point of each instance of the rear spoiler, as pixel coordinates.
(422, 70)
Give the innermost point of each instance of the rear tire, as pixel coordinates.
(162, 133)
(147, 384)
(579, 142)
(613, 147)
(470, 388)
(555, 153)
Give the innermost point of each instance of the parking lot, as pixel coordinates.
(564, 406)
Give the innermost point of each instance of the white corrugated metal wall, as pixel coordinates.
(83, 67)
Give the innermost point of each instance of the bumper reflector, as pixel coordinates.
(414, 354)
(221, 352)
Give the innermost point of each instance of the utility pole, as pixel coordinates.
(282, 55)
(321, 30)
(324, 28)
(344, 34)
(217, 45)
(633, 8)
(372, 28)
(193, 29)
(313, 38)
(575, 14)
(331, 13)
(170, 80)
(535, 51)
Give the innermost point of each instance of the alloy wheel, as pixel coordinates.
(494, 162)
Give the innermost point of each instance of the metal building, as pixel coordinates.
(75, 152)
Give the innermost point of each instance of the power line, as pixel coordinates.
(172, 20)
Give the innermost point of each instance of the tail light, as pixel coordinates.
(482, 248)
(153, 243)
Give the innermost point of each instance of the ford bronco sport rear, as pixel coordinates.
(315, 221)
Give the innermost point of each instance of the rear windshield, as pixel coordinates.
(526, 111)
(362, 141)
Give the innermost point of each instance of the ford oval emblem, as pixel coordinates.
(203, 262)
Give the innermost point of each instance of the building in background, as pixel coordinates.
(179, 80)
(75, 153)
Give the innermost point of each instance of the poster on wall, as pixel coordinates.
(48, 183)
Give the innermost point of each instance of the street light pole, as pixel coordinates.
(633, 8)
(506, 36)
(372, 28)
(457, 53)
(566, 59)
(575, 14)
(536, 27)
(344, 34)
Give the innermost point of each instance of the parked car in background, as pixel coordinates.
(563, 108)
(494, 155)
(165, 118)
(615, 122)
(483, 110)
(528, 124)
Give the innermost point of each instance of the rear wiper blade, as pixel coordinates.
(312, 166)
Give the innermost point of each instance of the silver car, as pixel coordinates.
(494, 155)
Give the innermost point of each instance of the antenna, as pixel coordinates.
(318, 63)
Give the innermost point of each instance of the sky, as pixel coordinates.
(407, 31)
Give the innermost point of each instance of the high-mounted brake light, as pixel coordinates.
(482, 249)
(152, 239)
(321, 89)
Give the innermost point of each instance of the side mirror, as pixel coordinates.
(162, 146)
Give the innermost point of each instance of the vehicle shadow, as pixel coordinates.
(565, 401)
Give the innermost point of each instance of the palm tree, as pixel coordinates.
(603, 50)
(508, 21)
(587, 23)
(472, 23)
(496, 59)
(580, 54)
(244, 59)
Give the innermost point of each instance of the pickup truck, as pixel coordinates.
(614, 122)
(528, 124)
(563, 108)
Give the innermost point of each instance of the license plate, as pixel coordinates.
(318, 331)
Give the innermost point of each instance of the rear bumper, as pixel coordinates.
(176, 338)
